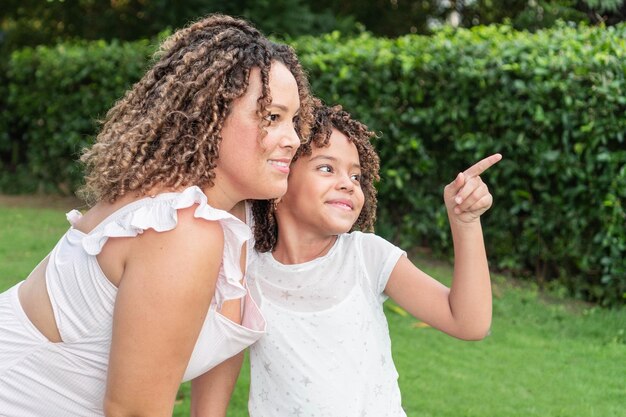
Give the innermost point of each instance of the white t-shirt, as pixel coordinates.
(327, 350)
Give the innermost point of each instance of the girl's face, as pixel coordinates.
(251, 166)
(324, 195)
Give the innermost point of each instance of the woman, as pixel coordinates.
(144, 289)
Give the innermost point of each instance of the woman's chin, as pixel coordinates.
(272, 193)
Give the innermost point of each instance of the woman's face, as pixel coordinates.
(252, 166)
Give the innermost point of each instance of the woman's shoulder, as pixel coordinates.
(187, 240)
(187, 212)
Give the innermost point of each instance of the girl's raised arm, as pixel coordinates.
(464, 309)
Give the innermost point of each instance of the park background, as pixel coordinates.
(444, 83)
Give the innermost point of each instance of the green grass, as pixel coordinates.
(546, 357)
(26, 236)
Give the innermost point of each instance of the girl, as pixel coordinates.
(144, 291)
(327, 350)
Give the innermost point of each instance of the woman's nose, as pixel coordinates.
(291, 138)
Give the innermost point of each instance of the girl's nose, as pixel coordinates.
(345, 182)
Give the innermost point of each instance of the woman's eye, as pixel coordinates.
(356, 177)
(273, 117)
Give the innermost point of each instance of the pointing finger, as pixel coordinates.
(481, 166)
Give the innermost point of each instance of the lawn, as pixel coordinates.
(547, 356)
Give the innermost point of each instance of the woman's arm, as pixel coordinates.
(162, 300)
(211, 392)
(464, 309)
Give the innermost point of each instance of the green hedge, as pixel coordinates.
(553, 103)
(54, 96)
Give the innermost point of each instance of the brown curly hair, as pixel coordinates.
(166, 130)
(325, 120)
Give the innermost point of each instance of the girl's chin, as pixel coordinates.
(340, 229)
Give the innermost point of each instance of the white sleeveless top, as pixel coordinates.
(39, 378)
(327, 350)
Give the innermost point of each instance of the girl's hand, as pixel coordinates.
(467, 197)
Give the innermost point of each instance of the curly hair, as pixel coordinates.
(325, 120)
(166, 130)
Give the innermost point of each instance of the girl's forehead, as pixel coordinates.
(336, 133)
(339, 148)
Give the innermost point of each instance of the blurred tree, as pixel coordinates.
(387, 17)
(610, 12)
(397, 17)
(537, 14)
(32, 22)
(522, 14)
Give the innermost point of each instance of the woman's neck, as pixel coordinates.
(239, 211)
(219, 198)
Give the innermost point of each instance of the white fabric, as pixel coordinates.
(40, 378)
(327, 350)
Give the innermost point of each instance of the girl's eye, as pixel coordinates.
(356, 177)
(325, 168)
(273, 117)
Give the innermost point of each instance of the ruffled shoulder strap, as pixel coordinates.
(160, 213)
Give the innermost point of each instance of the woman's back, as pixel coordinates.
(82, 299)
